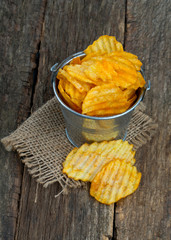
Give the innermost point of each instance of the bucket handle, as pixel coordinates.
(148, 85)
(54, 69)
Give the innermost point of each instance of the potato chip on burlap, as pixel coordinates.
(85, 162)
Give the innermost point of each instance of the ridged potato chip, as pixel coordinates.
(112, 110)
(104, 44)
(75, 96)
(81, 86)
(68, 99)
(129, 56)
(116, 180)
(77, 72)
(89, 159)
(141, 80)
(101, 72)
(106, 100)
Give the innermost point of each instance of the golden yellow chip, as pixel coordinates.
(107, 97)
(112, 110)
(116, 180)
(78, 72)
(75, 96)
(129, 56)
(104, 44)
(93, 56)
(79, 85)
(67, 99)
(89, 159)
(129, 93)
(76, 60)
(141, 80)
(122, 64)
(101, 72)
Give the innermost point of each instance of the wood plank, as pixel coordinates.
(146, 214)
(69, 27)
(20, 34)
(72, 216)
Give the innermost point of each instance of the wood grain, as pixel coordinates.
(68, 27)
(35, 35)
(20, 33)
(146, 214)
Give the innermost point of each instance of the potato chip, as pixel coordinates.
(104, 44)
(107, 97)
(101, 72)
(76, 60)
(123, 64)
(93, 56)
(70, 156)
(116, 180)
(75, 96)
(77, 72)
(106, 92)
(129, 93)
(67, 99)
(89, 159)
(129, 56)
(141, 80)
(79, 85)
(109, 111)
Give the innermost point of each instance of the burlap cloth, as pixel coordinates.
(42, 143)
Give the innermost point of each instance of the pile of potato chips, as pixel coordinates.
(108, 166)
(104, 82)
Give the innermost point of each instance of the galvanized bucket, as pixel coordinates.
(82, 128)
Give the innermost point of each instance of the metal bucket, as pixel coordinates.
(82, 128)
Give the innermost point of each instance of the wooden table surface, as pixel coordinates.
(35, 34)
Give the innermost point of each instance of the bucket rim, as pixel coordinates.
(55, 70)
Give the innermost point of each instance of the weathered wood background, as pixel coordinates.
(35, 34)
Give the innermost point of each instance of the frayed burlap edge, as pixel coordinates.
(43, 146)
(141, 128)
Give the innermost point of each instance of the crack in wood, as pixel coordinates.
(35, 75)
(37, 58)
(114, 224)
(35, 62)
